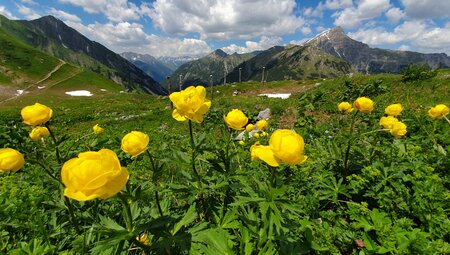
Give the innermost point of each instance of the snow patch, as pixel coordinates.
(277, 95)
(41, 87)
(103, 90)
(19, 92)
(79, 93)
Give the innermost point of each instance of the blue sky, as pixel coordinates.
(197, 27)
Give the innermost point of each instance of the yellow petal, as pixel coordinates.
(176, 115)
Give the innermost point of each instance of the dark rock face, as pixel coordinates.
(373, 60)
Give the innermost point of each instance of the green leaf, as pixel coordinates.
(189, 217)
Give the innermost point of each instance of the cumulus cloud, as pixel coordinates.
(338, 4)
(64, 16)
(424, 9)
(114, 10)
(264, 43)
(28, 13)
(125, 36)
(417, 34)
(367, 9)
(225, 19)
(394, 15)
(6, 13)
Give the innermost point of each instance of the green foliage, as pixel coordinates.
(413, 73)
(390, 197)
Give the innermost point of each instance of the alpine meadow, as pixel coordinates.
(328, 146)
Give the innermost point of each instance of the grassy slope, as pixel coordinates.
(22, 64)
(122, 112)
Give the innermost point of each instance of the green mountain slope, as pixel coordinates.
(53, 36)
(212, 67)
(290, 62)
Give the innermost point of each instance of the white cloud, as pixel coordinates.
(423, 9)
(299, 42)
(28, 2)
(314, 12)
(394, 15)
(225, 19)
(125, 36)
(114, 10)
(28, 13)
(264, 43)
(419, 35)
(338, 4)
(404, 47)
(6, 13)
(367, 9)
(64, 16)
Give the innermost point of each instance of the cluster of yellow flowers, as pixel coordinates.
(439, 111)
(391, 123)
(35, 115)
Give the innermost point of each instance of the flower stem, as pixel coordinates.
(126, 207)
(72, 217)
(155, 181)
(445, 117)
(47, 170)
(58, 157)
(349, 143)
(194, 155)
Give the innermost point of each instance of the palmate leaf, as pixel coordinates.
(188, 218)
(213, 241)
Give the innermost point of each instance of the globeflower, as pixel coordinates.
(39, 132)
(241, 143)
(135, 143)
(236, 119)
(190, 104)
(93, 174)
(11, 160)
(439, 111)
(284, 146)
(388, 121)
(394, 109)
(262, 124)
(36, 114)
(364, 104)
(398, 129)
(97, 129)
(345, 107)
(249, 127)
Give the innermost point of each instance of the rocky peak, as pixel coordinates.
(218, 54)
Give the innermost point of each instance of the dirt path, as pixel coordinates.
(57, 67)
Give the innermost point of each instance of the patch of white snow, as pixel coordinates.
(277, 95)
(79, 93)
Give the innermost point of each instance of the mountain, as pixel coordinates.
(290, 62)
(51, 35)
(211, 68)
(175, 62)
(373, 60)
(149, 64)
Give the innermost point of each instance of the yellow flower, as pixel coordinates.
(398, 129)
(241, 143)
(39, 132)
(439, 111)
(236, 119)
(143, 238)
(93, 175)
(394, 109)
(11, 160)
(345, 107)
(249, 127)
(97, 129)
(284, 146)
(135, 143)
(264, 134)
(262, 124)
(388, 121)
(36, 114)
(364, 104)
(256, 135)
(190, 103)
